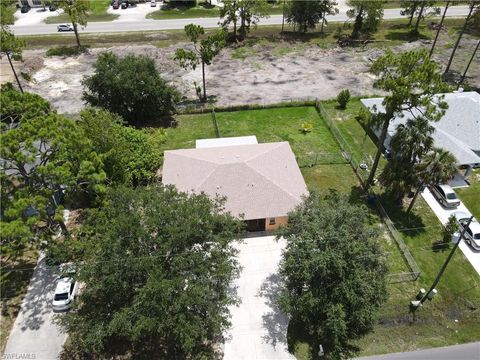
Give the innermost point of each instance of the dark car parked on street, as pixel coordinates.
(25, 9)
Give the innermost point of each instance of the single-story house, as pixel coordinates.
(261, 182)
(458, 131)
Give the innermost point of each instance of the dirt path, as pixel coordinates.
(271, 73)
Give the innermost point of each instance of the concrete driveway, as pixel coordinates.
(259, 329)
(34, 335)
(443, 215)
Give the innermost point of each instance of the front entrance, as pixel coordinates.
(255, 225)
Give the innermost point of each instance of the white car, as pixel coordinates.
(153, 3)
(65, 293)
(445, 196)
(64, 27)
(472, 232)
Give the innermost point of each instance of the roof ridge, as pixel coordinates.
(268, 149)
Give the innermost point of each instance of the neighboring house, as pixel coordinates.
(458, 131)
(261, 182)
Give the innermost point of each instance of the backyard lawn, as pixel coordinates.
(453, 316)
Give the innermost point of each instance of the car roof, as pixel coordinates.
(446, 188)
(63, 285)
(461, 215)
(475, 226)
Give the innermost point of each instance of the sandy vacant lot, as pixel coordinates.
(272, 73)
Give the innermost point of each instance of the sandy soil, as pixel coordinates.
(306, 72)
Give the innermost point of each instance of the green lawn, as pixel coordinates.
(471, 195)
(98, 12)
(184, 12)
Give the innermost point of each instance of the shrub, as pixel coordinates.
(306, 127)
(66, 50)
(451, 227)
(343, 98)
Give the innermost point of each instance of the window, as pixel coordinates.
(72, 286)
(451, 196)
(62, 296)
(272, 221)
(37, 2)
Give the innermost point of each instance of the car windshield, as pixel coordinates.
(476, 236)
(451, 196)
(62, 296)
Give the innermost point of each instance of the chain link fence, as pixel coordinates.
(362, 174)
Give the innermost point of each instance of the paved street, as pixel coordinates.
(443, 215)
(124, 25)
(457, 352)
(259, 329)
(34, 333)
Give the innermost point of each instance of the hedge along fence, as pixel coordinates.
(206, 108)
(349, 156)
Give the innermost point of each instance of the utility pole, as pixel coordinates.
(414, 305)
(469, 63)
(283, 14)
(439, 29)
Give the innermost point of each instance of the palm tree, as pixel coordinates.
(437, 166)
(411, 141)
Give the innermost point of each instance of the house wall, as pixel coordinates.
(282, 220)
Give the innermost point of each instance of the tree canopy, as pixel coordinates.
(333, 272)
(43, 155)
(367, 15)
(204, 50)
(307, 14)
(412, 82)
(130, 156)
(131, 87)
(77, 11)
(157, 271)
(247, 12)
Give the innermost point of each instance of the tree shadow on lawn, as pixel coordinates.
(408, 35)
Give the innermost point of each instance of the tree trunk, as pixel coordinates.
(243, 30)
(410, 207)
(14, 72)
(468, 65)
(235, 20)
(283, 15)
(380, 148)
(419, 18)
(357, 26)
(459, 38)
(439, 29)
(323, 21)
(76, 34)
(414, 8)
(204, 88)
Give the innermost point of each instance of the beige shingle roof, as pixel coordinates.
(259, 180)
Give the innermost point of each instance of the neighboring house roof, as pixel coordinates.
(226, 141)
(458, 131)
(258, 180)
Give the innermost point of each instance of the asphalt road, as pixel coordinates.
(149, 24)
(457, 352)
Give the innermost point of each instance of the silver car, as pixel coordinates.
(64, 27)
(65, 292)
(472, 232)
(445, 196)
